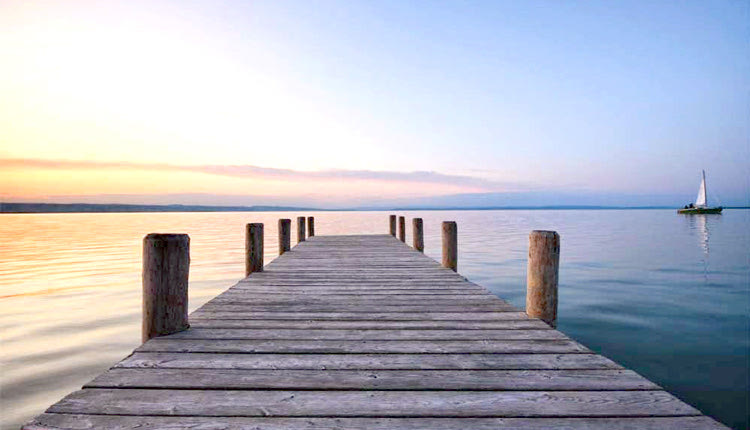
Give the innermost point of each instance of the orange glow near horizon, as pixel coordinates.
(43, 183)
(108, 83)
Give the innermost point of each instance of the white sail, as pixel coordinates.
(700, 201)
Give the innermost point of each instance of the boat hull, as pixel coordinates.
(699, 211)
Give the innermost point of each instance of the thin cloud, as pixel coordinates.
(249, 171)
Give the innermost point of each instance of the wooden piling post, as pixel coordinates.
(166, 266)
(450, 245)
(542, 276)
(285, 235)
(300, 229)
(393, 225)
(402, 229)
(253, 248)
(310, 226)
(417, 234)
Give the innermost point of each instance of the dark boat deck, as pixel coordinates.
(363, 332)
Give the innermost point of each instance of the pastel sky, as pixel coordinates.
(330, 102)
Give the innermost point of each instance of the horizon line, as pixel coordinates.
(38, 207)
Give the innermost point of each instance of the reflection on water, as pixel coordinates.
(635, 285)
(700, 225)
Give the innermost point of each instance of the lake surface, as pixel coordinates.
(664, 294)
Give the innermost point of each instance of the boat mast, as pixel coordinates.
(705, 195)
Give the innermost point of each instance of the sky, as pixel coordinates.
(334, 103)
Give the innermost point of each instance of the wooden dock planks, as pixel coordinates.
(362, 332)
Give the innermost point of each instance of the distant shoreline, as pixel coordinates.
(127, 208)
(29, 208)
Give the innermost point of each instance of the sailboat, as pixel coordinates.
(700, 206)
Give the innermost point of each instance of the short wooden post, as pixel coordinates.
(418, 234)
(542, 275)
(402, 229)
(300, 229)
(310, 226)
(450, 245)
(285, 235)
(393, 225)
(166, 265)
(253, 248)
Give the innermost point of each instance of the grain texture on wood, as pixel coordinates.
(450, 245)
(402, 229)
(365, 334)
(361, 380)
(122, 422)
(166, 265)
(418, 234)
(525, 324)
(364, 346)
(356, 316)
(477, 361)
(287, 403)
(542, 275)
(253, 248)
(300, 229)
(310, 226)
(285, 235)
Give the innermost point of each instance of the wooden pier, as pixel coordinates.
(364, 332)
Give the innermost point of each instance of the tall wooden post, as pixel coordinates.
(542, 276)
(450, 245)
(300, 229)
(402, 229)
(166, 265)
(310, 226)
(285, 235)
(393, 225)
(418, 234)
(253, 248)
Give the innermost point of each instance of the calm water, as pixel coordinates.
(666, 295)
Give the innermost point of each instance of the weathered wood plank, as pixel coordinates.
(242, 296)
(334, 278)
(357, 335)
(313, 300)
(95, 422)
(166, 344)
(284, 290)
(372, 403)
(519, 324)
(511, 380)
(352, 316)
(314, 304)
(168, 360)
(354, 287)
(353, 283)
(373, 274)
(355, 308)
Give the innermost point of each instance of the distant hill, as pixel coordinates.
(101, 208)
